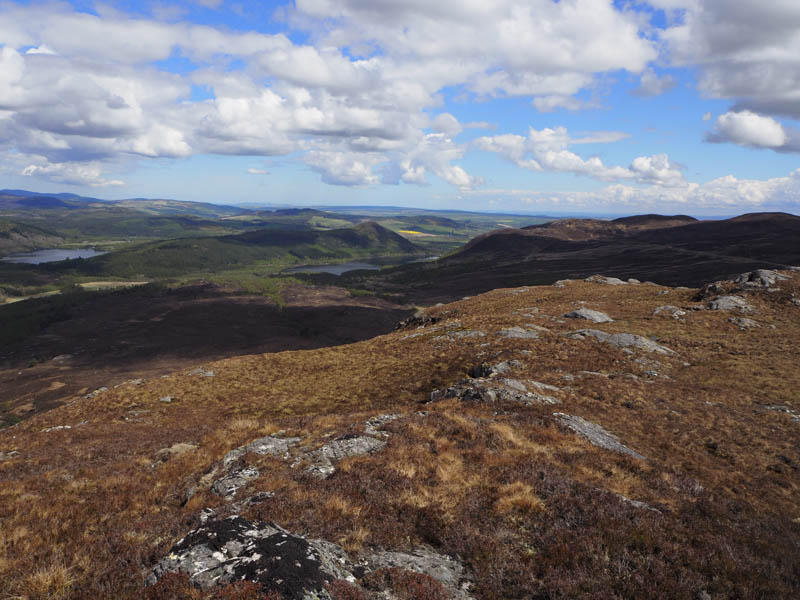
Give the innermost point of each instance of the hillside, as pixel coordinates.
(278, 247)
(18, 237)
(495, 447)
(666, 250)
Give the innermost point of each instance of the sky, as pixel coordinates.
(534, 106)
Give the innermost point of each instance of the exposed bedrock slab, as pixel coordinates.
(490, 391)
(606, 280)
(350, 445)
(519, 333)
(236, 479)
(731, 303)
(621, 340)
(596, 434)
(268, 445)
(446, 570)
(595, 316)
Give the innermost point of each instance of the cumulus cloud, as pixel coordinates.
(342, 168)
(546, 150)
(87, 90)
(89, 174)
(746, 51)
(361, 101)
(747, 128)
(722, 195)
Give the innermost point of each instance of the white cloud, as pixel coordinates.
(40, 50)
(707, 116)
(539, 48)
(746, 128)
(342, 168)
(355, 100)
(653, 85)
(546, 150)
(657, 169)
(747, 51)
(446, 123)
(724, 195)
(254, 171)
(85, 174)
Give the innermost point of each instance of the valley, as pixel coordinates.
(545, 411)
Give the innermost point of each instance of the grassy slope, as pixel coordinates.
(183, 257)
(19, 237)
(533, 510)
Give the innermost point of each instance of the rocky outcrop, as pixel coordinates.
(234, 549)
(731, 303)
(519, 333)
(606, 280)
(444, 569)
(233, 481)
(418, 319)
(224, 551)
(484, 370)
(165, 454)
(595, 316)
(744, 323)
(595, 434)
(201, 372)
(671, 311)
(322, 460)
(269, 445)
(760, 278)
(491, 391)
(621, 340)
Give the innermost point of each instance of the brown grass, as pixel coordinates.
(532, 509)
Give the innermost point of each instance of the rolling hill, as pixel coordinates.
(18, 237)
(492, 448)
(280, 247)
(667, 250)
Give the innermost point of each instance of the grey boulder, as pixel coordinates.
(731, 303)
(595, 316)
(621, 340)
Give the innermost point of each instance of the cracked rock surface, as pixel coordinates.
(349, 445)
(731, 303)
(621, 340)
(595, 316)
(596, 434)
(235, 549)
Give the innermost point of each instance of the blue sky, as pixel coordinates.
(575, 106)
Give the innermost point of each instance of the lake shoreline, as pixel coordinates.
(47, 255)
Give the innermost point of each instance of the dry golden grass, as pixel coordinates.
(533, 509)
(517, 496)
(52, 582)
